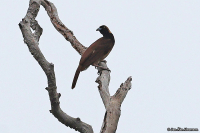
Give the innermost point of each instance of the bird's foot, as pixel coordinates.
(103, 68)
(104, 61)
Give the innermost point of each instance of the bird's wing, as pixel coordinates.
(96, 52)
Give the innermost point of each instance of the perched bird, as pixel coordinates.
(96, 52)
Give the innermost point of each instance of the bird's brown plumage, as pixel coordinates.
(96, 52)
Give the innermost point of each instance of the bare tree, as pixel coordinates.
(112, 103)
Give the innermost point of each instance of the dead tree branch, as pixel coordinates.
(111, 103)
(32, 41)
(60, 27)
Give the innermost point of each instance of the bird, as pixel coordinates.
(96, 52)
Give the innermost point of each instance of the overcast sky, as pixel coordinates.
(157, 42)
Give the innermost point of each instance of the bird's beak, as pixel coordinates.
(98, 29)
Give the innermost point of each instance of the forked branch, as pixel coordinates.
(32, 41)
(112, 103)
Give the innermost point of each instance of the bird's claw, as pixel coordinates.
(105, 68)
(104, 61)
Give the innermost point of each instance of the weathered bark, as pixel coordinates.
(112, 103)
(32, 41)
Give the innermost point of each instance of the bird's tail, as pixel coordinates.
(78, 70)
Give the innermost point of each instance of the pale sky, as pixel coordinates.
(156, 42)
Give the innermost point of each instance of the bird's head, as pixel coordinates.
(104, 30)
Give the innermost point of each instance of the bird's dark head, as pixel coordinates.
(104, 30)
